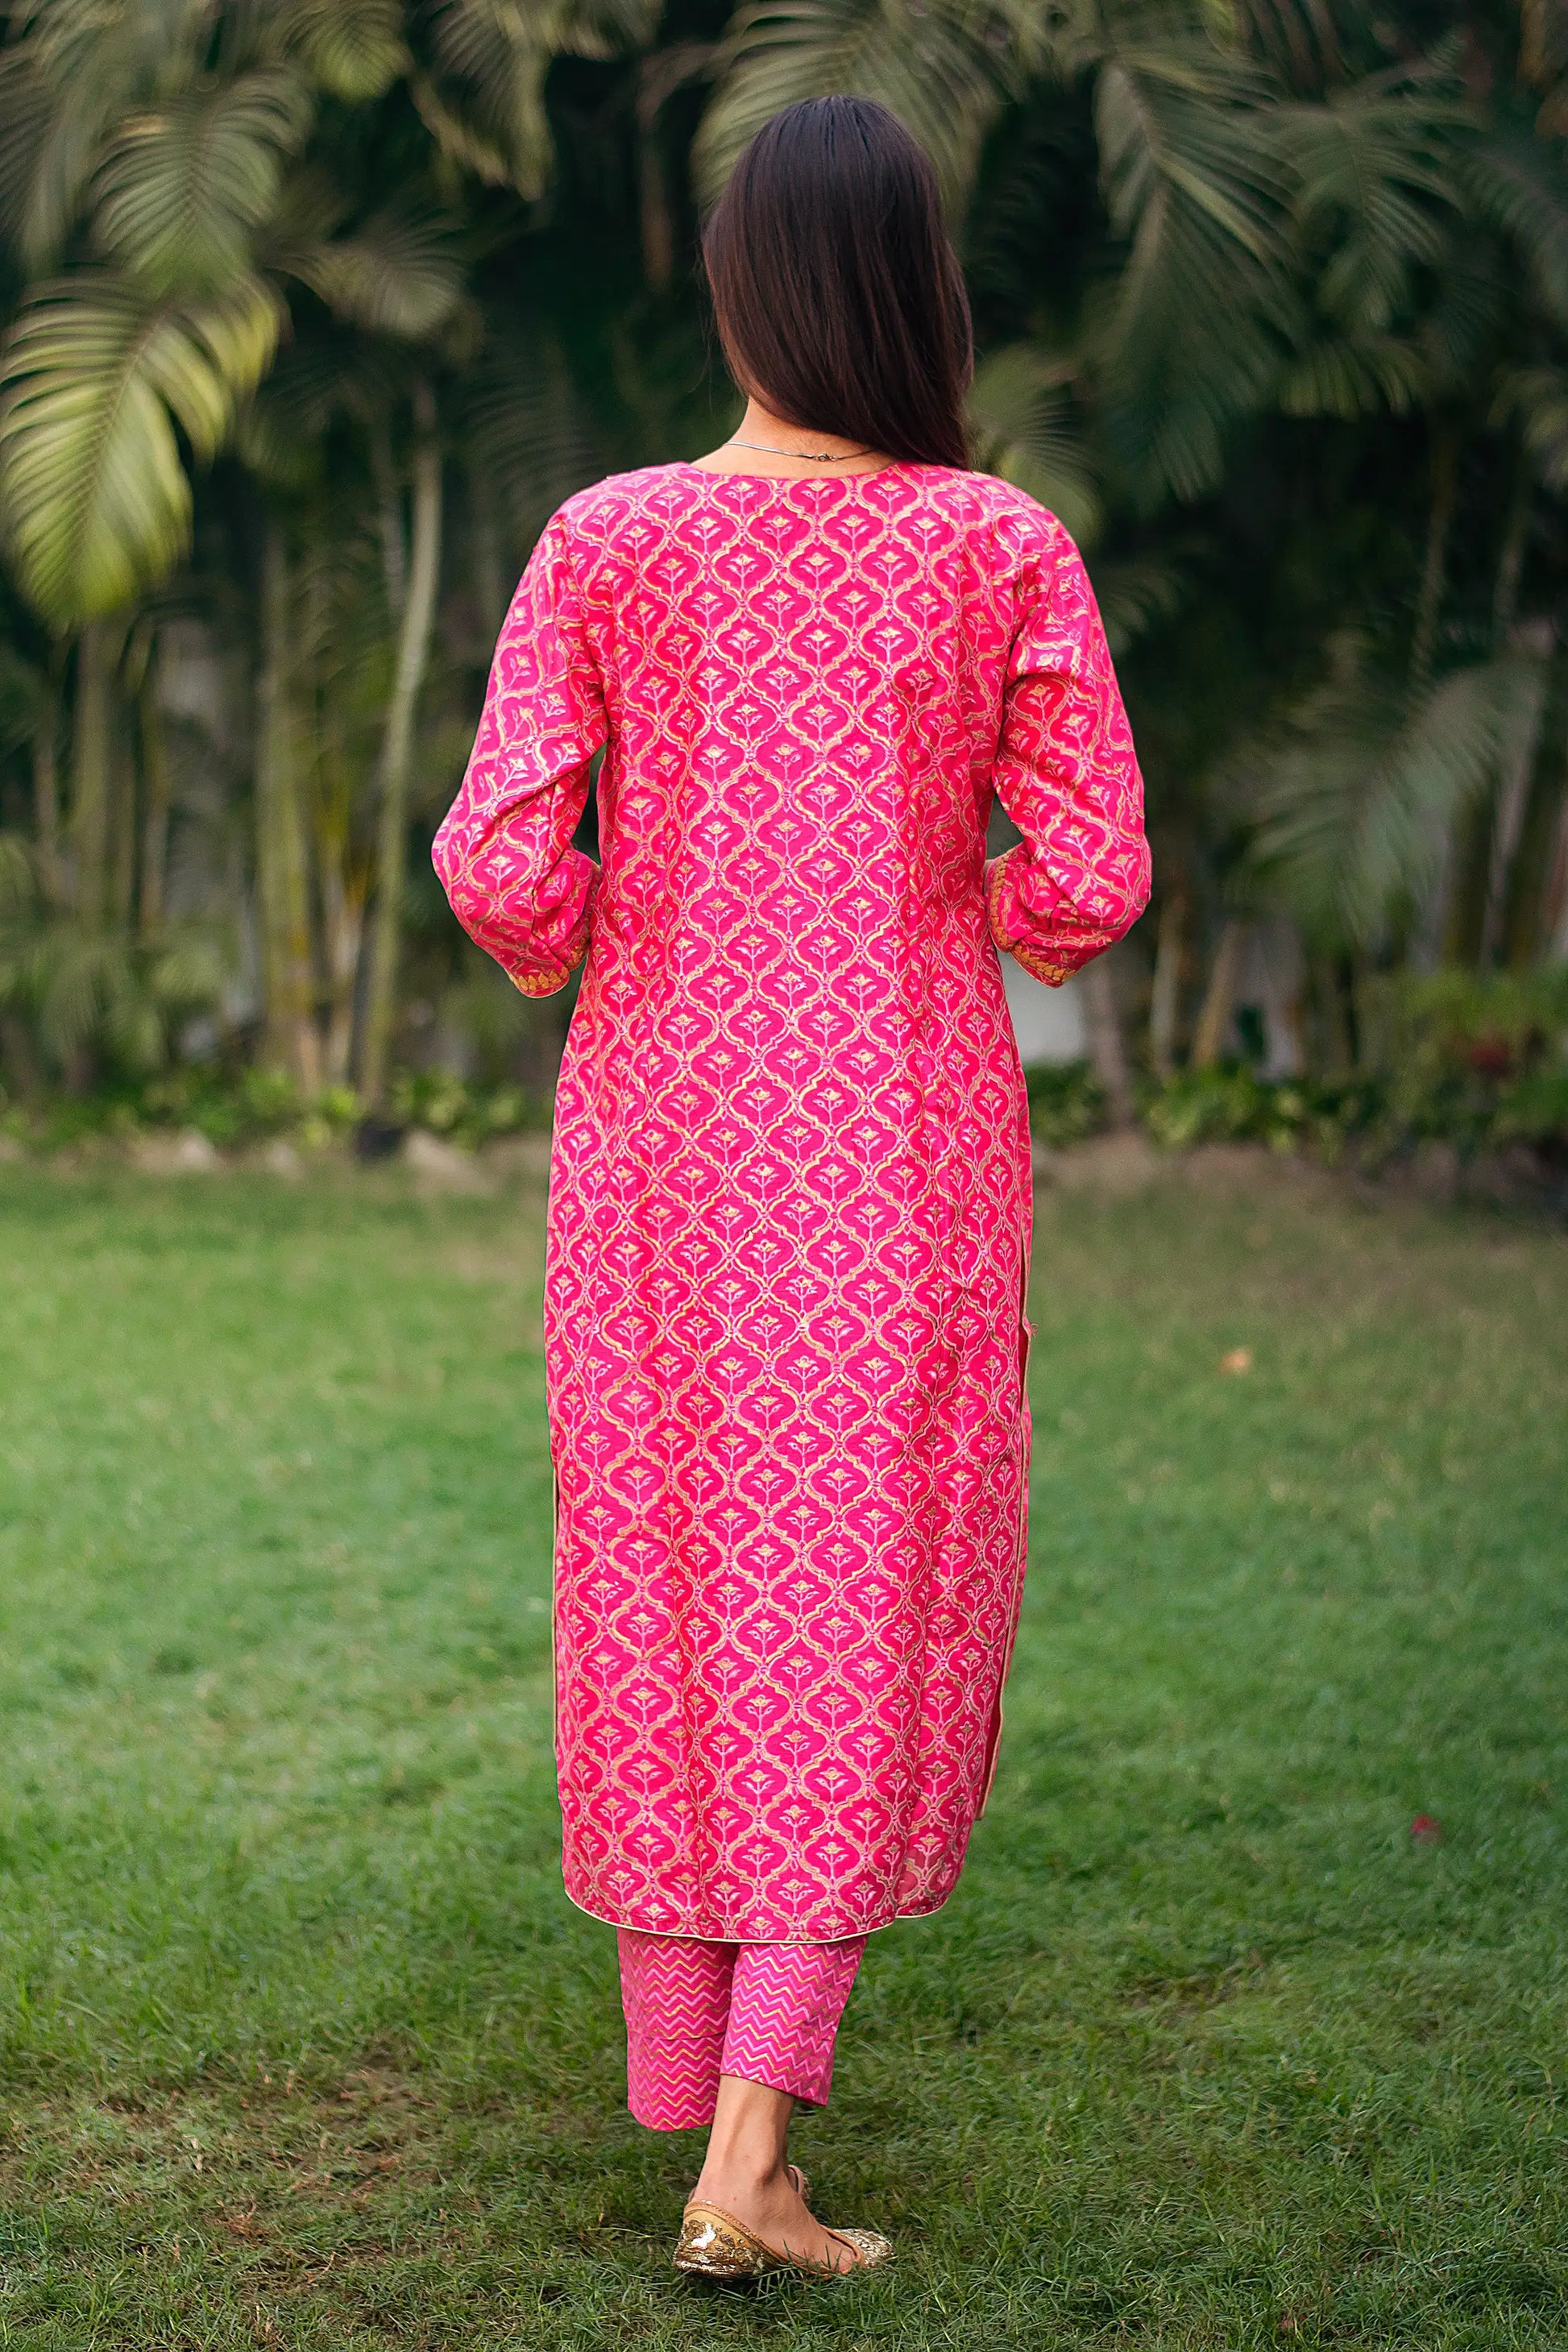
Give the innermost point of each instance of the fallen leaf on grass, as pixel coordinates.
(1426, 1829)
(1238, 1360)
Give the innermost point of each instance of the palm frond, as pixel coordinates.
(352, 49)
(599, 28)
(1355, 803)
(180, 193)
(1180, 114)
(345, 625)
(945, 77)
(83, 42)
(1544, 43)
(1135, 593)
(73, 68)
(398, 274)
(1518, 183)
(89, 986)
(1301, 39)
(318, 378)
(1464, 319)
(25, 108)
(485, 102)
(1375, 191)
(1355, 376)
(18, 881)
(185, 973)
(1536, 400)
(95, 502)
(526, 430)
(1026, 428)
(462, 143)
(1207, 305)
(26, 699)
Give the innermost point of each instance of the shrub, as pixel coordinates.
(1473, 1060)
(1229, 1104)
(1066, 1102)
(466, 1112)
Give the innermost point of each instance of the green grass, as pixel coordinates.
(304, 2048)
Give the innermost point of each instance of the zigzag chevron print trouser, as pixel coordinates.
(694, 2011)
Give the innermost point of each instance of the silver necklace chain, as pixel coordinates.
(807, 456)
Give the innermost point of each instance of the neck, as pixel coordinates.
(775, 458)
(760, 424)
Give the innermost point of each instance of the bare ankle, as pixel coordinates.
(746, 2146)
(745, 2167)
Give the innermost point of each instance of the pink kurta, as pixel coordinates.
(790, 1192)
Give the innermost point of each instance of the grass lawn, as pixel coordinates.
(303, 2046)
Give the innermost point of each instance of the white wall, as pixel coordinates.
(1048, 1023)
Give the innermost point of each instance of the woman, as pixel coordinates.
(790, 1191)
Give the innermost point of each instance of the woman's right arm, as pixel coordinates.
(504, 852)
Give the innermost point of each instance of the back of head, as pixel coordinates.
(839, 299)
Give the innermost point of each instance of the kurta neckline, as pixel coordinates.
(806, 481)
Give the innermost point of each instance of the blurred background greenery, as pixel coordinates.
(316, 308)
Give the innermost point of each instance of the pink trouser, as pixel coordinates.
(697, 2010)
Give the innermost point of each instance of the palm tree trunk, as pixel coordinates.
(662, 73)
(16, 1054)
(1529, 869)
(343, 884)
(122, 814)
(1510, 554)
(1335, 1033)
(389, 514)
(1107, 1045)
(155, 787)
(91, 763)
(343, 929)
(1220, 997)
(46, 806)
(1434, 569)
(489, 571)
(1473, 850)
(397, 749)
(658, 228)
(288, 1041)
(1164, 1007)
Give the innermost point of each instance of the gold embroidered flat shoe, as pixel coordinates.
(713, 2244)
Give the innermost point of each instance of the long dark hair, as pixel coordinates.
(839, 300)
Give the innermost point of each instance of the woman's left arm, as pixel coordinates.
(1066, 775)
(504, 852)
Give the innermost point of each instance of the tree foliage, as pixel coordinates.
(1271, 304)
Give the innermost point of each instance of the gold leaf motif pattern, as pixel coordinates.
(790, 1191)
(768, 2012)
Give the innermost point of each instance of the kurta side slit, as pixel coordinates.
(791, 1184)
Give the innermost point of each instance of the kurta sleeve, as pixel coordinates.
(1066, 775)
(504, 852)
